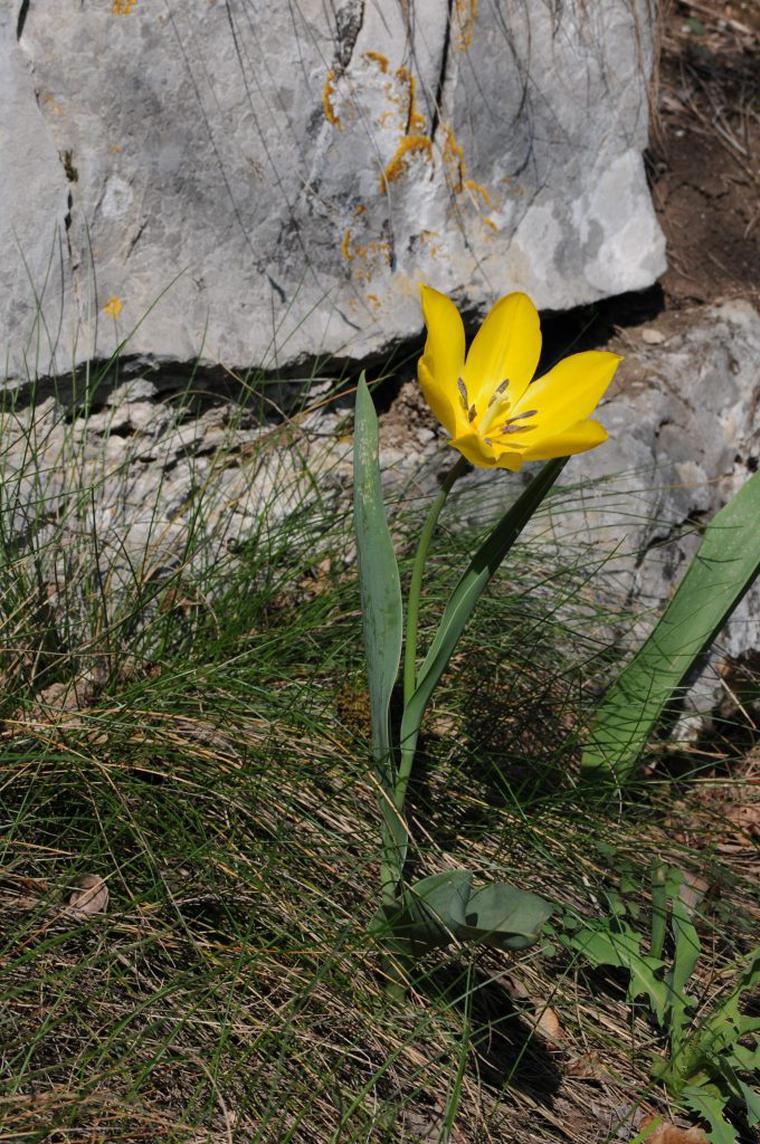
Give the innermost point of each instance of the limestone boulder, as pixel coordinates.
(255, 184)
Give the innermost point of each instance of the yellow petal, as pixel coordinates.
(506, 347)
(511, 461)
(471, 446)
(578, 438)
(443, 361)
(570, 391)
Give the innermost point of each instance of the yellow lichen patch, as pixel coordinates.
(466, 15)
(478, 189)
(374, 301)
(453, 158)
(369, 260)
(409, 145)
(490, 223)
(328, 91)
(360, 209)
(379, 59)
(413, 119)
(123, 7)
(345, 246)
(113, 307)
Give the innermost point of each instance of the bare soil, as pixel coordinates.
(704, 167)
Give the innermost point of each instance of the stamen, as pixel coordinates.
(501, 388)
(472, 413)
(463, 394)
(510, 427)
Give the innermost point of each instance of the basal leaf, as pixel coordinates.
(723, 569)
(382, 610)
(444, 908)
(502, 916)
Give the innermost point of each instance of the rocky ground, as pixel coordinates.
(683, 414)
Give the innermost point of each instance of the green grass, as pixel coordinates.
(195, 731)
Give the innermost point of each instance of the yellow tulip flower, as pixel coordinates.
(497, 416)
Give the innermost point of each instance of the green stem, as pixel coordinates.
(415, 587)
(412, 619)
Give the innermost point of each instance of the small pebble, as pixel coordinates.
(652, 337)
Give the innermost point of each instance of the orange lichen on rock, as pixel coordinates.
(379, 59)
(328, 91)
(122, 7)
(368, 260)
(478, 189)
(409, 145)
(453, 158)
(414, 119)
(345, 246)
(466, 15)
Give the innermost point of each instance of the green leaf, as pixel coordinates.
(686, 954)
(622, 948)
(468, 591)
(382, 610)
(504, 917)
(752, 1101)
(723, 569)
(744, 1059)
(659, 909)
(444, 908)
(709, 1103)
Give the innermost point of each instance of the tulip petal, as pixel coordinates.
(472, 446)
(578, 438)
(506, 347)
(570, 391)
(443, 361)
(511, 461)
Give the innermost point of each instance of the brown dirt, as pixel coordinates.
(704, 159)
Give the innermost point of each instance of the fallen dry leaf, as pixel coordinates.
(548, 1026)
(90, 897)
(667, 1133)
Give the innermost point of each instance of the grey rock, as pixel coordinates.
(260, 183)
(145, 476)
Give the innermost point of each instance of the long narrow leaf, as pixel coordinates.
(468, 591)
(382, 610)
(723, 569)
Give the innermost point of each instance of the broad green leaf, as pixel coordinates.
(723, 569)
(468, 591)
(444, 908)
(708, 1103)
(432, 910)
(502, 916)
(382, 610)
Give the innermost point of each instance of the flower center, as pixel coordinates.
(498, 405)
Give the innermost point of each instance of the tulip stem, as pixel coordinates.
(415, 586)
